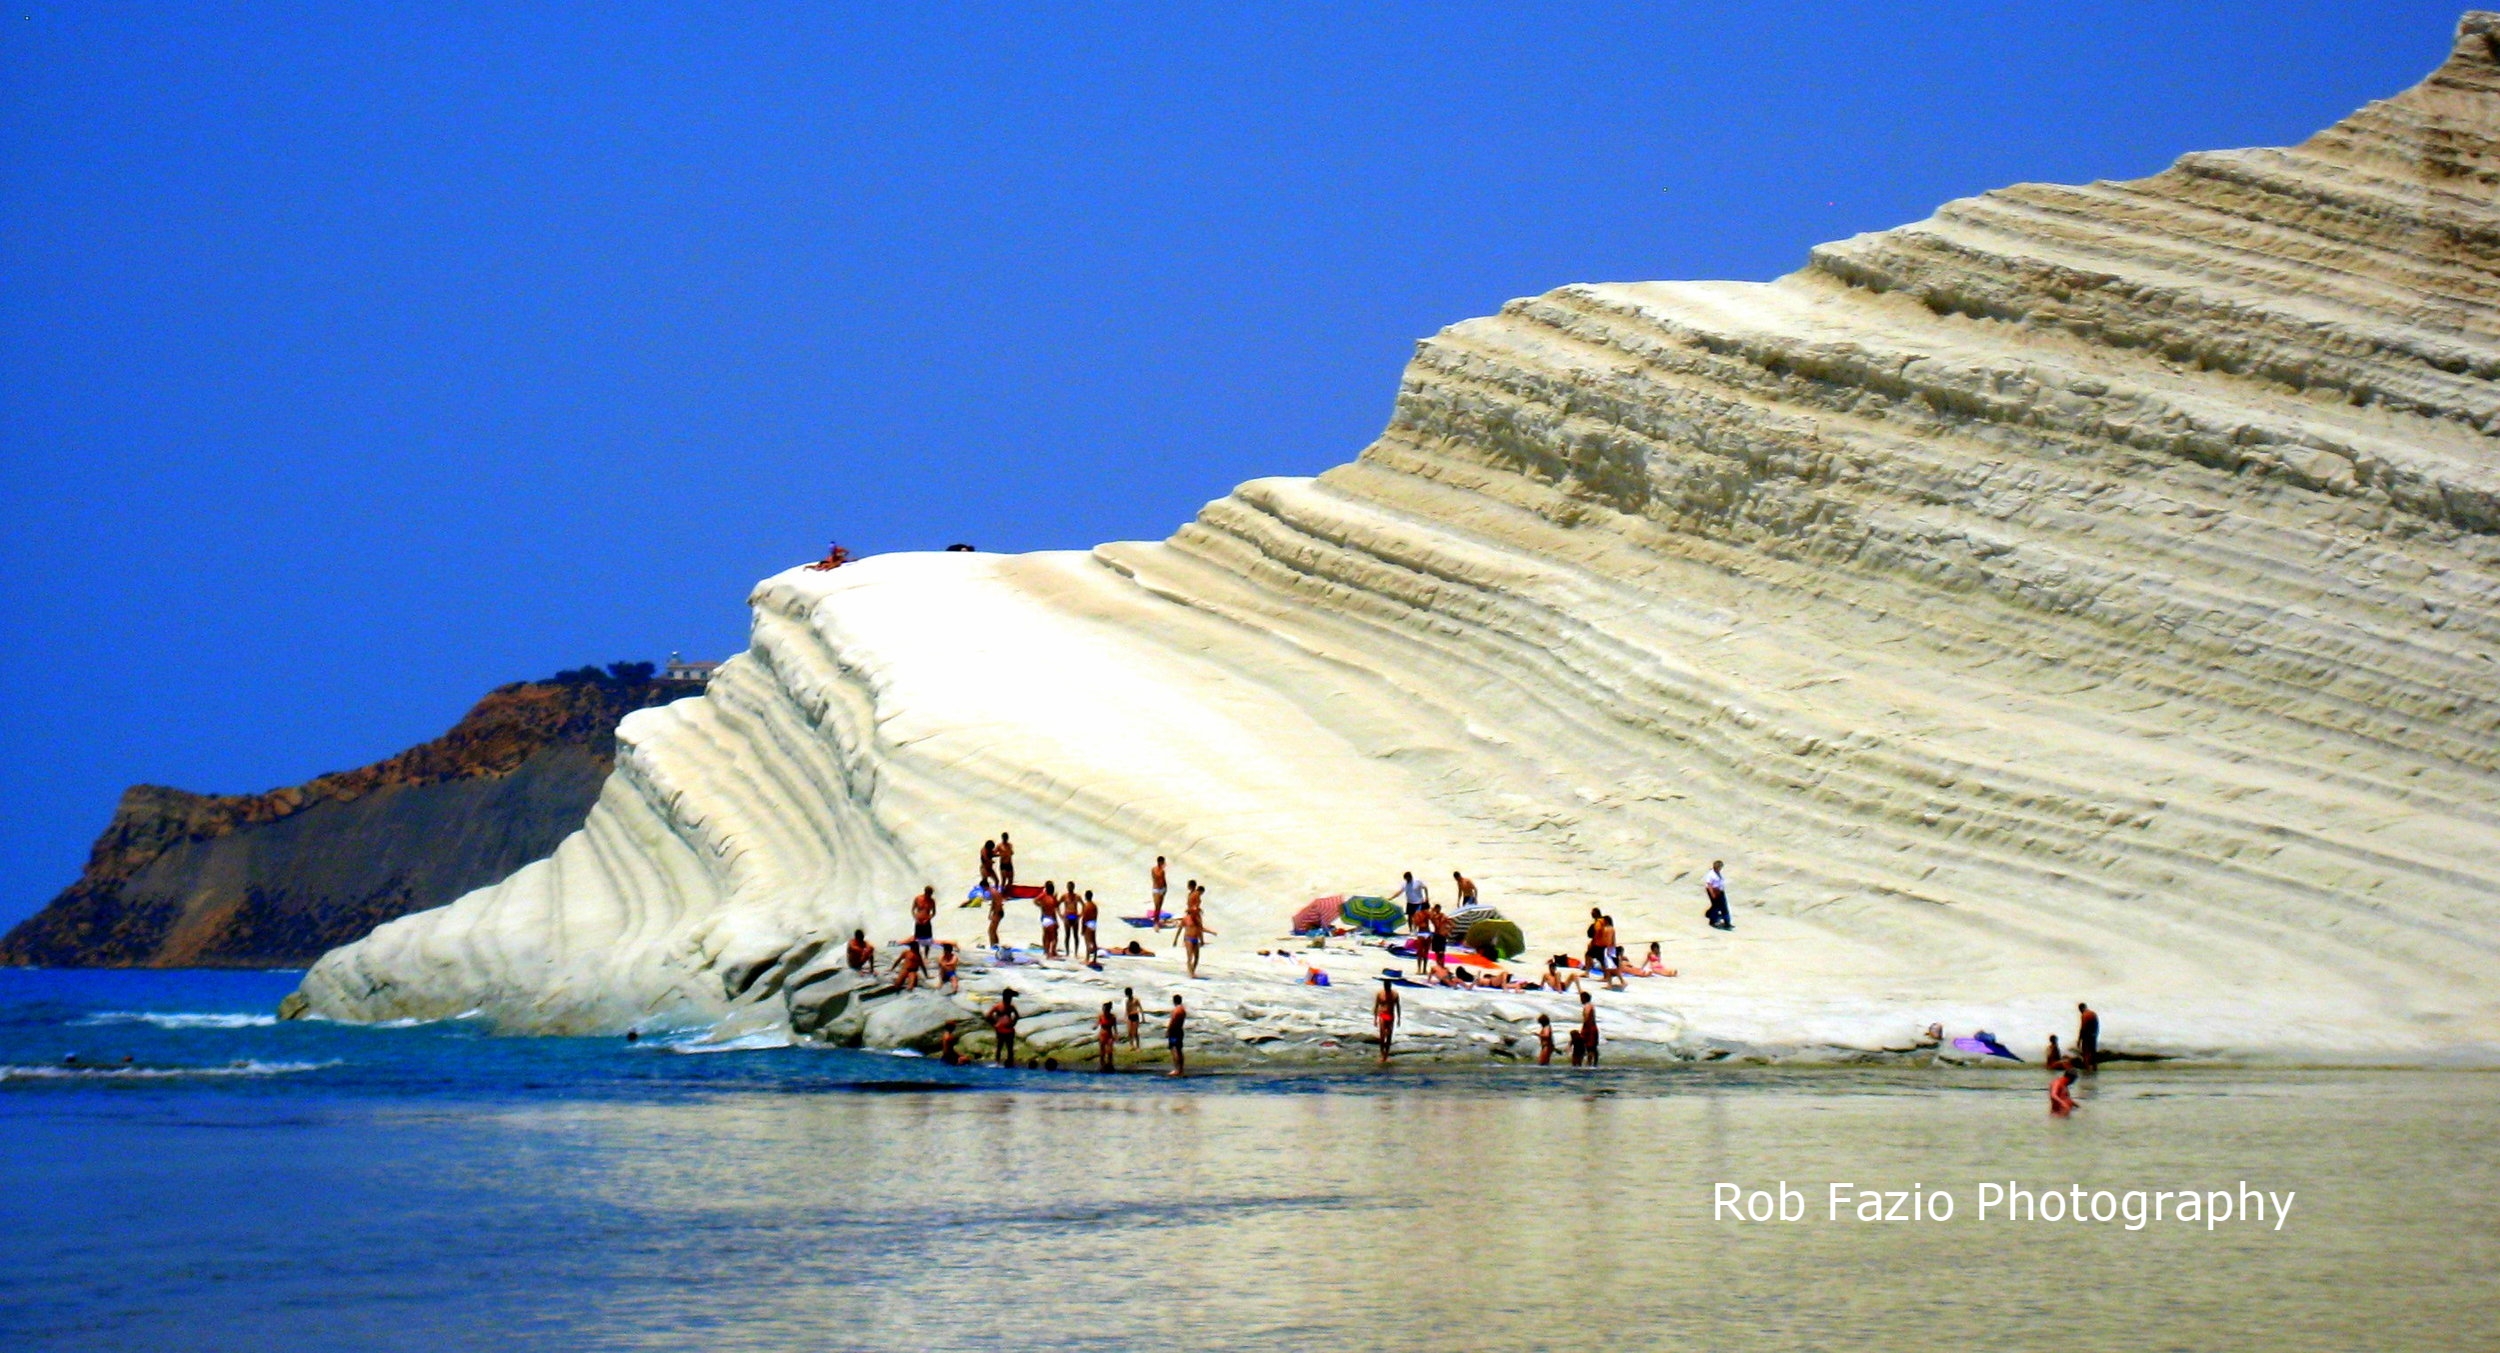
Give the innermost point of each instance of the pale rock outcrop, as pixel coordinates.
(2086, 592)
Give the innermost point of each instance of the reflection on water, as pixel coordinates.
(1497, 1211)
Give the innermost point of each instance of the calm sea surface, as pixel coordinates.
(245, 1184)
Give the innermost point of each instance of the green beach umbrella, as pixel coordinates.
(1497, 939)
(1378, 914)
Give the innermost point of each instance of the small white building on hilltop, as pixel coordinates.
(679, 669)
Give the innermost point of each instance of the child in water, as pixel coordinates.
(2061, 1094)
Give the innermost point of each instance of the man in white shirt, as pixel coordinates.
(1415, 896)
(1714, 884)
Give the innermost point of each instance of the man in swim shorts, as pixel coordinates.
(989, 865)
(1466, 890)
(2087, 1038)
(1160, 882)
(1090, 917)
(859, 953)
(1176, 1035)
(1136, 1009)
(923, 920)
(1006, 861)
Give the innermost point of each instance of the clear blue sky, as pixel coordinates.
(361, 357)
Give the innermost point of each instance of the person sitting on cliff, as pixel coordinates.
(909, 967)
(835, 557)
(859, 953)
(1654, 965)
(946, 968)
(2055, 1059)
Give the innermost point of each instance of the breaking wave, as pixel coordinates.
(181, 1019)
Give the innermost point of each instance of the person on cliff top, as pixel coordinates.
(1136, 1010)
(2087, 1038)
(1106, 1036)
(1002, 1018)
(2062, 1094)
(1714, 887)
(924, 919)
(1048, 903)
(859, 953)
(989, 865)
(946, 968)
(1159, 880)
(1176, 1035)
(1385, 1012)
(1544, 1040)
(1588, 1027)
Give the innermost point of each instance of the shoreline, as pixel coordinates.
(1254, 1011)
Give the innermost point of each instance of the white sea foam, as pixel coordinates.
(181, 1019)
(754, 1042)
(70, 1072)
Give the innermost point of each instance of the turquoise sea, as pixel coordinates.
(247, 1184)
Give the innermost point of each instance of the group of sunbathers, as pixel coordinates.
(1071, 920)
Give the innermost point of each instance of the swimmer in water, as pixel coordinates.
(2062, 1094)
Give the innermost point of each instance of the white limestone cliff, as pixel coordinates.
(2088, 591)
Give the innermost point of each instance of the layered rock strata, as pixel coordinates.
(2086, 592)
(275, 880)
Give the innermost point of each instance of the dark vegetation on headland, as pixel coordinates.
(274, 880)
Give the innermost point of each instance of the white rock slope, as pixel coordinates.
(2089, 591)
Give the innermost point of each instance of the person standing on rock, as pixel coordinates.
(1588, 1027)
(1006, 861)
(1194, 930)
(1176, 1035)
(1106, 1036)
(1136, 1011)
(1714, 887)
(2087, 1038)
(998, 913)
(1002, 1018)
(1048, 903)
(1414, 895)
(924, 920)
(1160, 882)
(1091, 918)
(1466, 890)
(989, 865)
(1385, 1013)
(1544, 1040)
